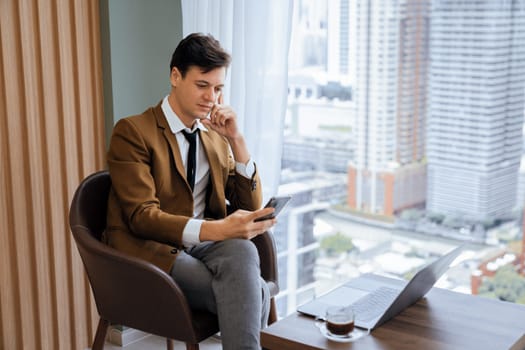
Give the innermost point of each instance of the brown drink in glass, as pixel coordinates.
(340, 320)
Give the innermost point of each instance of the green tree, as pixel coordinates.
(336, 244)
(507, 284)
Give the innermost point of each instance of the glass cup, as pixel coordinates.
(339, 321)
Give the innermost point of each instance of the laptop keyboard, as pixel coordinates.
(374, 304)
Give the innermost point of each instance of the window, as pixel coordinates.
(383, 169)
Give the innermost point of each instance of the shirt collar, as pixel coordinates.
(174, 121)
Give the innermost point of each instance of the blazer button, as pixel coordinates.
(174, 251)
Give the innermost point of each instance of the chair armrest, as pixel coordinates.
(131, 291)
(268, 256)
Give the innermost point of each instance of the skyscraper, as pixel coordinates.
(388, 64)
(476, 104)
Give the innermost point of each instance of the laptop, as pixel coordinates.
(375, 302)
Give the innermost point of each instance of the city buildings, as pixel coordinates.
(475, 111)
(317, 153)
(312, 192)
(388, 44)
(435, 110)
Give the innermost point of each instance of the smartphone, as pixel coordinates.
(278, 203)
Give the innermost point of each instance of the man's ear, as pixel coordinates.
(175, 76)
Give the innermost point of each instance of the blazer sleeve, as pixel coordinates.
(244, 193)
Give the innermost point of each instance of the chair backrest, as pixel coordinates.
(90, 212)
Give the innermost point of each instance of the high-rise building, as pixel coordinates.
(317, 153)
(475, 111)
(388, 64)
(312, 192)
(338, 38)
(308, 44)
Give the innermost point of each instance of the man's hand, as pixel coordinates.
(223, 120)
(239, 224)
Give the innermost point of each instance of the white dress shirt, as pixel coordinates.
(191, 232)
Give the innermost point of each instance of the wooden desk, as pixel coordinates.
(441, 320)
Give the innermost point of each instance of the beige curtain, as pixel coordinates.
(51, 136)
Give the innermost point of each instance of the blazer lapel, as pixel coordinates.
(162, 123)
(213, 159)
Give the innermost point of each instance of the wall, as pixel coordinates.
(138, 39)
(51, 136)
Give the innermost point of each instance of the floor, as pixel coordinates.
(152, 342)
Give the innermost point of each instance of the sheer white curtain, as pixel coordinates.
(257, 34)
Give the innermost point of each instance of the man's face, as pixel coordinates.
(193, 96)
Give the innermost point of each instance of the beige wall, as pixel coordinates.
(51, 136)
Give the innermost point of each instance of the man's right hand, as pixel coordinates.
(239, 224)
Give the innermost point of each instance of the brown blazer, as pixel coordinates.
(150, 201)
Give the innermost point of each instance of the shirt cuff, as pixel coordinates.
(247, 170)
(191, 233)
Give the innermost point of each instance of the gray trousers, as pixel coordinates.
(224, 278)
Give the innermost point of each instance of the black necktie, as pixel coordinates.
(191, 164)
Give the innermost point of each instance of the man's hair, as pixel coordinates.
(201, 50)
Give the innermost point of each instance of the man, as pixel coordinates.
(170, 208)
